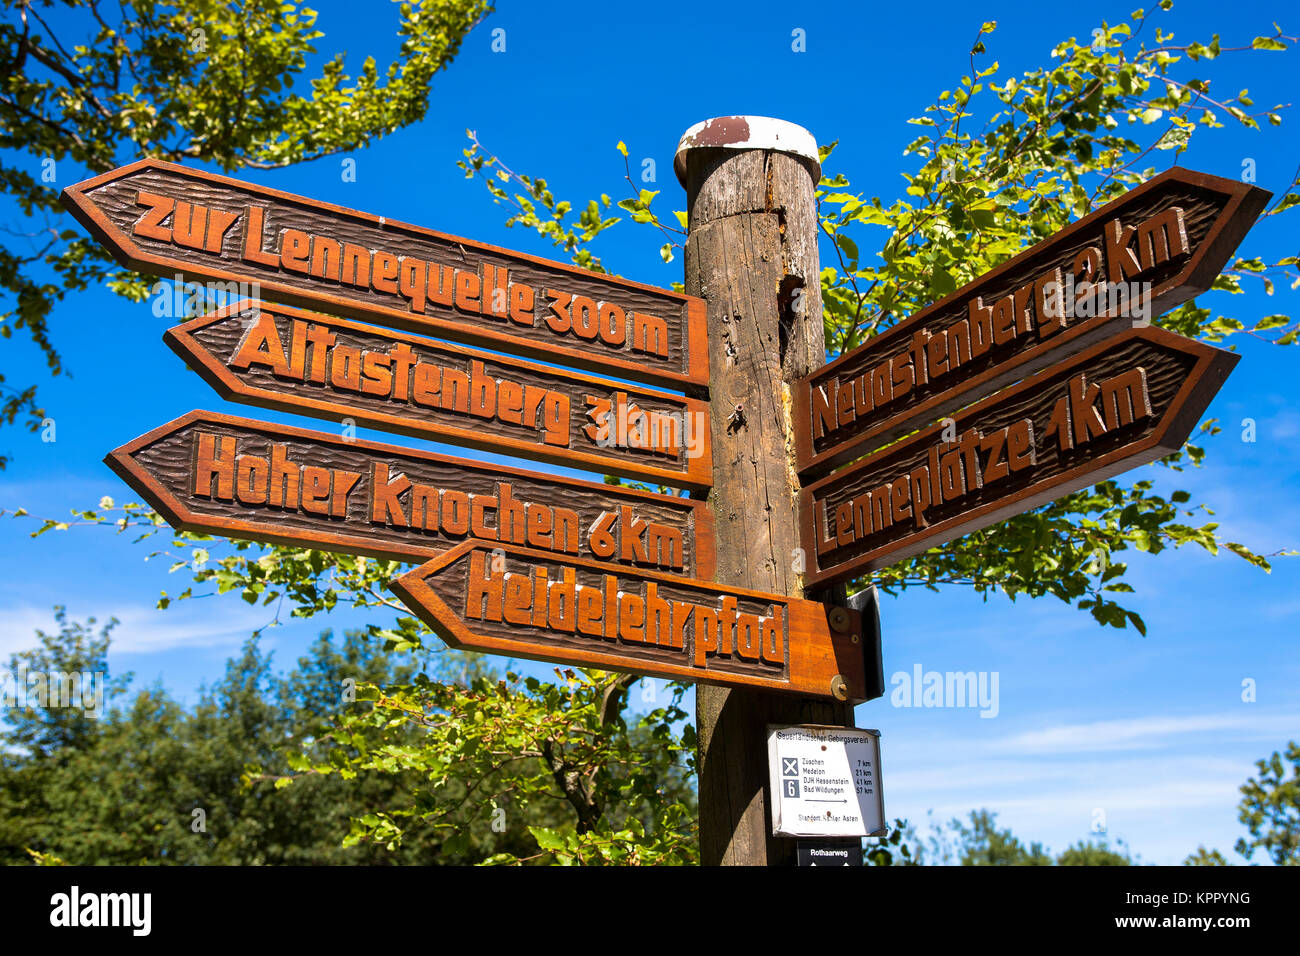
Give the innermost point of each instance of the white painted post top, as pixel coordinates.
(748, 132)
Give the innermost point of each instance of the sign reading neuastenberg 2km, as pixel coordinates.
(1146, 252)
(165, 219)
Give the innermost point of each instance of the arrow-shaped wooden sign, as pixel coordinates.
(1120, 404)
(533, 604)
(168, 220)
(282, 358)
(1146, 252)
(260, 482)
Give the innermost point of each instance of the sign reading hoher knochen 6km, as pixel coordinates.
(165, 219)
(219, 474)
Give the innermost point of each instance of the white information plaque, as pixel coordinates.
(825, 781)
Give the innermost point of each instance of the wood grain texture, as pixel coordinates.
(109, 206)
(212, 346)
(1216, 214)
(812, 654)
(161, 466)
(751, 250)
(1181, 377)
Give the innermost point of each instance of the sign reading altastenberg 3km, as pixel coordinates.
(281, 358)
(1146, 252)
(165, 219)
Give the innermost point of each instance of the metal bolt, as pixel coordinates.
(839, 687)
(839, 618)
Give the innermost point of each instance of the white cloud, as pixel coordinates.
(1280, 609)
(1163, 805)
(142, 629)
(1141, 732)
(1281, 427)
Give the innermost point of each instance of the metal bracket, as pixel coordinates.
(867, 603)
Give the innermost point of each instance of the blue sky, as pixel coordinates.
(1151, 731)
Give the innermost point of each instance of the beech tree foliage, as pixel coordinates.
(1270, 808)
(150, 779)
(86, 86)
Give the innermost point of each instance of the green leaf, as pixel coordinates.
(547, 838)
(1267, 43)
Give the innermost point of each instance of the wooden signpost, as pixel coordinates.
(1049, 382)
(1117, 405)
(281, 358)
(245, 479)
(1146, 252)
(540, 605)
(164, 219)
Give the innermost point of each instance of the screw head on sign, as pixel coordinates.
(839, 619)
(839, 687)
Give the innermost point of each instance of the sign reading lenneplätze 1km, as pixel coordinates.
(523, 602)
(1140, 255)
(1117, 405)
(279, 357)
(250, 480)
(164, 219)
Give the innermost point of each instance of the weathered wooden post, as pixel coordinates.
(752, 256)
